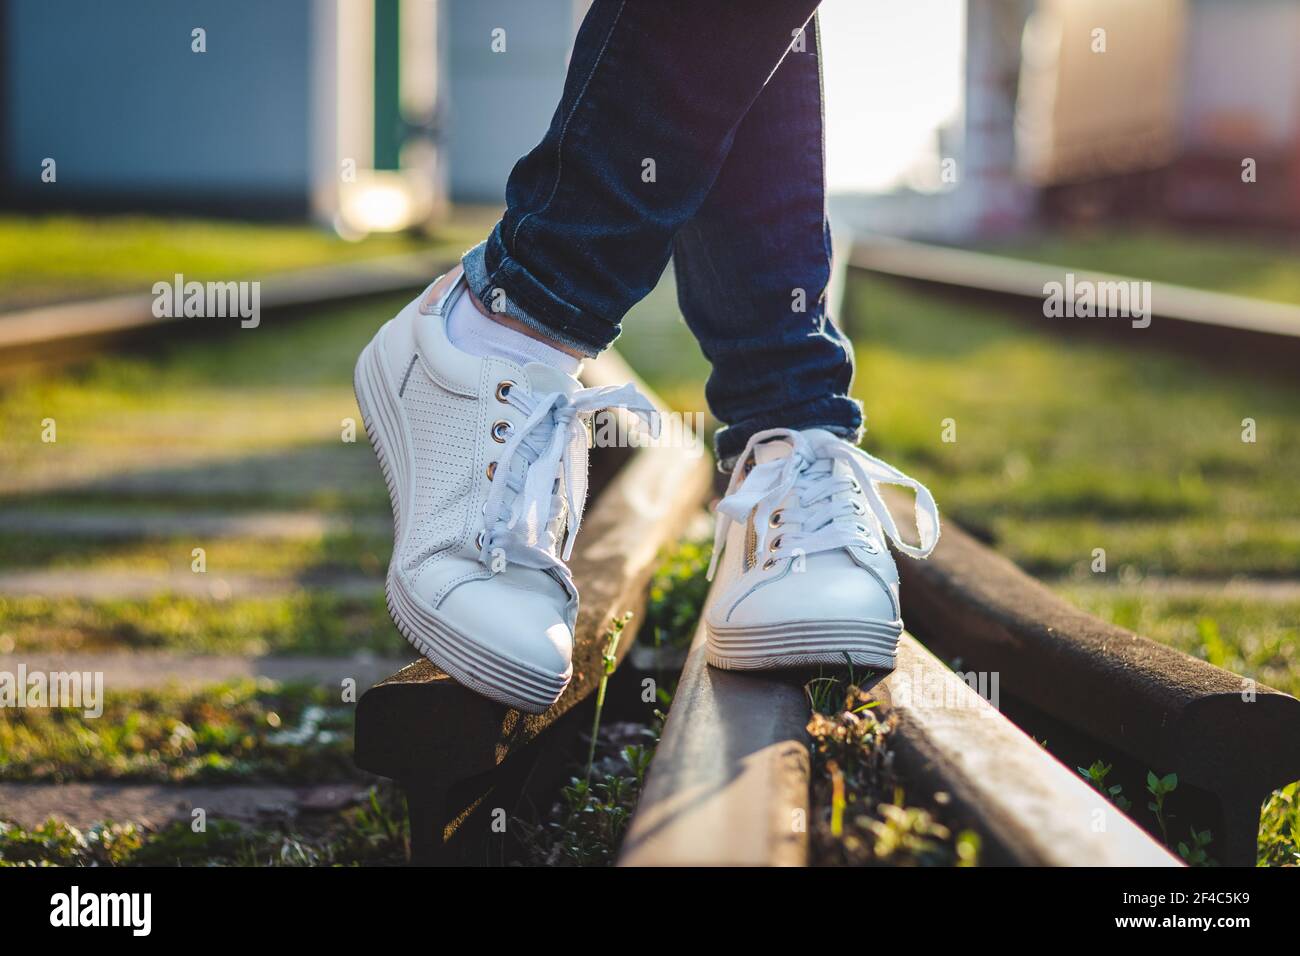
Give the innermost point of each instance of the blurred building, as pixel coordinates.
(983, 192)
(1186, 109)
(374, 111)
(1241, 100)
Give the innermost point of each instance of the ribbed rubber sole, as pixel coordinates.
(783, 646)
(481, 669)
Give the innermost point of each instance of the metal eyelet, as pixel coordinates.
(775, 520)
(776, 544)
(857, 488)
(501, 431)
(858, 509)
(769, 564)
(478, 541)
(503, 390)
(491, 470)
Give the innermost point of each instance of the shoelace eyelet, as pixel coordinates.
(478, 541)
(776, 544)
(503, 390)
(775, 520)
(501, 431)
(491, 470)
(769, 564)
(858, 509)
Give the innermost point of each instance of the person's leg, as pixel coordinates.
(479, 430)
(803, 572)
(651, 105)
(753, 264)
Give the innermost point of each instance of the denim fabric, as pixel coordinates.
(731, 117)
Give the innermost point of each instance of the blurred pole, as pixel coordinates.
(994, 199)
(422, 79)
(342, 58)
(388, 116)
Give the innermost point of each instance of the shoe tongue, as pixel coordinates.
(773, 450)
(543, 380)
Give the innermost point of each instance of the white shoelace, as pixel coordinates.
(525, 518)
(823, 516)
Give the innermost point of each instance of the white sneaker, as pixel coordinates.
(486, 465)
(805, 577)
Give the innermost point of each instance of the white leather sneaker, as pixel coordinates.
(486, 465)
(805, 577)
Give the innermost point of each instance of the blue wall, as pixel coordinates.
(134, 119)
(112, 91)
(499, 104)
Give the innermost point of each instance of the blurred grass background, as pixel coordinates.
(50, 258)
(1258, 266)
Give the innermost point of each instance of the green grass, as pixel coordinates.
(243, 731)
(1260, 639)
(1061, 449)
(1200, 546)
(342, 553)
(1251, 266)
(586, 824)
(59, 257)
(658, 344)
(1279, 828)
(1066, 447)
(298, 622)
(374, 833)
(677, 593)
(245, 421)
(859, 813)
(252, 418)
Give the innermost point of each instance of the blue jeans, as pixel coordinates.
(697, 136)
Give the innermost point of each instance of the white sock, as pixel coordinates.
(473, 332)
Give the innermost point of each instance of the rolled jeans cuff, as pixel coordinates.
(503, 285)
(839, 415)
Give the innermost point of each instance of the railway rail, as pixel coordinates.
(1225, 328)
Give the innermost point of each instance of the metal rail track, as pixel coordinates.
(1244, 331)
(1098, 690)
(730, 782)
(1106, 692)
(76, 327)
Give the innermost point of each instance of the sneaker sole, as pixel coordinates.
(482, 670)
(784, 646)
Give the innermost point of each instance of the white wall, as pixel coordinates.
(1242, 74)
